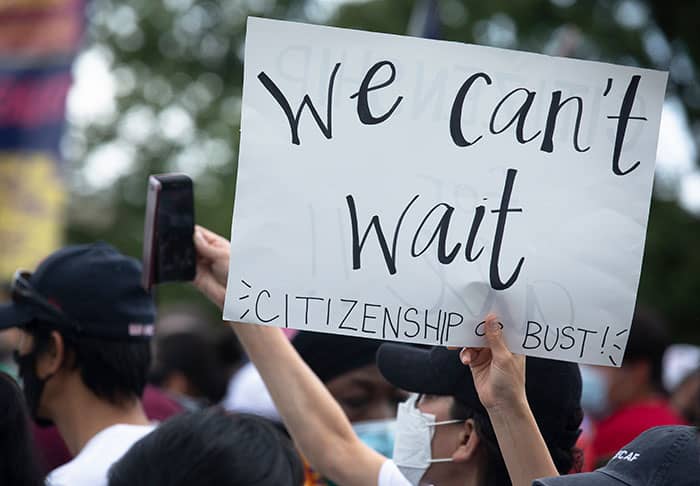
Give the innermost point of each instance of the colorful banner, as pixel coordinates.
(38, 42)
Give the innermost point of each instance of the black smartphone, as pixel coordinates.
(168, 249)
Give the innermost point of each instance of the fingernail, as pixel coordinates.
(465, 356)
(494, 325)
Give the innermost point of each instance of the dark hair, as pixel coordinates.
(114, 370)
(210, 447)
(18, 461)
(206, 360)
(648, 341)
(563, 452)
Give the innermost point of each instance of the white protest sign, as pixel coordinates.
(400, 188)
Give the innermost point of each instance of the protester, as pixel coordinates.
(682, 380)
(84, 353)
(325, 437)
(633, 398)
(662, 456)
(53, 452)
(18, 464)
(210, 447)
(347, 365)
(194, 367)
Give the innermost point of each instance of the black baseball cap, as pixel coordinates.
(331, 355)
(89, 290)
(662, 456)
(553, 388)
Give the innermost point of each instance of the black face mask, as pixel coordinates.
(32, 385)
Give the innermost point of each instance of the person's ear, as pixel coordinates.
(468, 443)
(49, 361)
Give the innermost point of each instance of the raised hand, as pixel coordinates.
(213, 253)
(499, 375)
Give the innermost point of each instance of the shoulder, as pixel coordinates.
(90, 466)
(77, 472)
(389, 475)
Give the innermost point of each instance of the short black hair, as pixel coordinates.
(114, 370)
(206, 359)
(210, 447)
(18, 461)
(648, 341)
(563, 451)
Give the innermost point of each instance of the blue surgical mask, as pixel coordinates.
(594, 392)
(377, 434)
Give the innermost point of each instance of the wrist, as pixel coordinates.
(516, 406)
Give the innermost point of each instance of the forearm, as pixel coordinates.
(314, 419)
(524, 450)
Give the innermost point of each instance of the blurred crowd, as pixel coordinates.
(98, 389)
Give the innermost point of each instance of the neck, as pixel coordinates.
(83, 415)
(467, 476)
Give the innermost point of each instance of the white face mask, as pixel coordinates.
(413, 441)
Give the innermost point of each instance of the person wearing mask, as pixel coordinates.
(210, 447)
(347, 366)
(18, 462)
(85, 322)
(438, 440)
(630, 399)
(660, 456)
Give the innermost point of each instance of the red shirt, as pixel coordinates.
(627, 423)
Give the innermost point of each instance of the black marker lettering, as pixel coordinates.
(363, 111)
(503, 211)
(387, 317)
(354, 303)
(366, 317)
(458, 106)
(555, 106)
(622, 119)
(405, 318)
(306, 309)
(326, 127)
(441, 230)
(586, 332)
(257, 307)
(520, 115)
(564, 334)
(529, 334)
(357, 244)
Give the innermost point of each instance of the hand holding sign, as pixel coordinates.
(400, 189)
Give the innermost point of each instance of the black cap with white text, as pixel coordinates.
(662, 456)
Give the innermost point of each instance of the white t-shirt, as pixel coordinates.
(90, 466)
(389, 475)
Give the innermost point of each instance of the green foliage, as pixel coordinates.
(179, 63)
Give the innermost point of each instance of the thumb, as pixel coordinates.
(494, 337)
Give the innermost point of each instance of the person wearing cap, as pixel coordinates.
(662, 456)
(440, 438)
(83, 354)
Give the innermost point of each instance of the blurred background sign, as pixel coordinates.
(38, 41)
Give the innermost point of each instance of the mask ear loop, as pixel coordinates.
(444, 422)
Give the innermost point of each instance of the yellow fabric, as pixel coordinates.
(32, 204)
